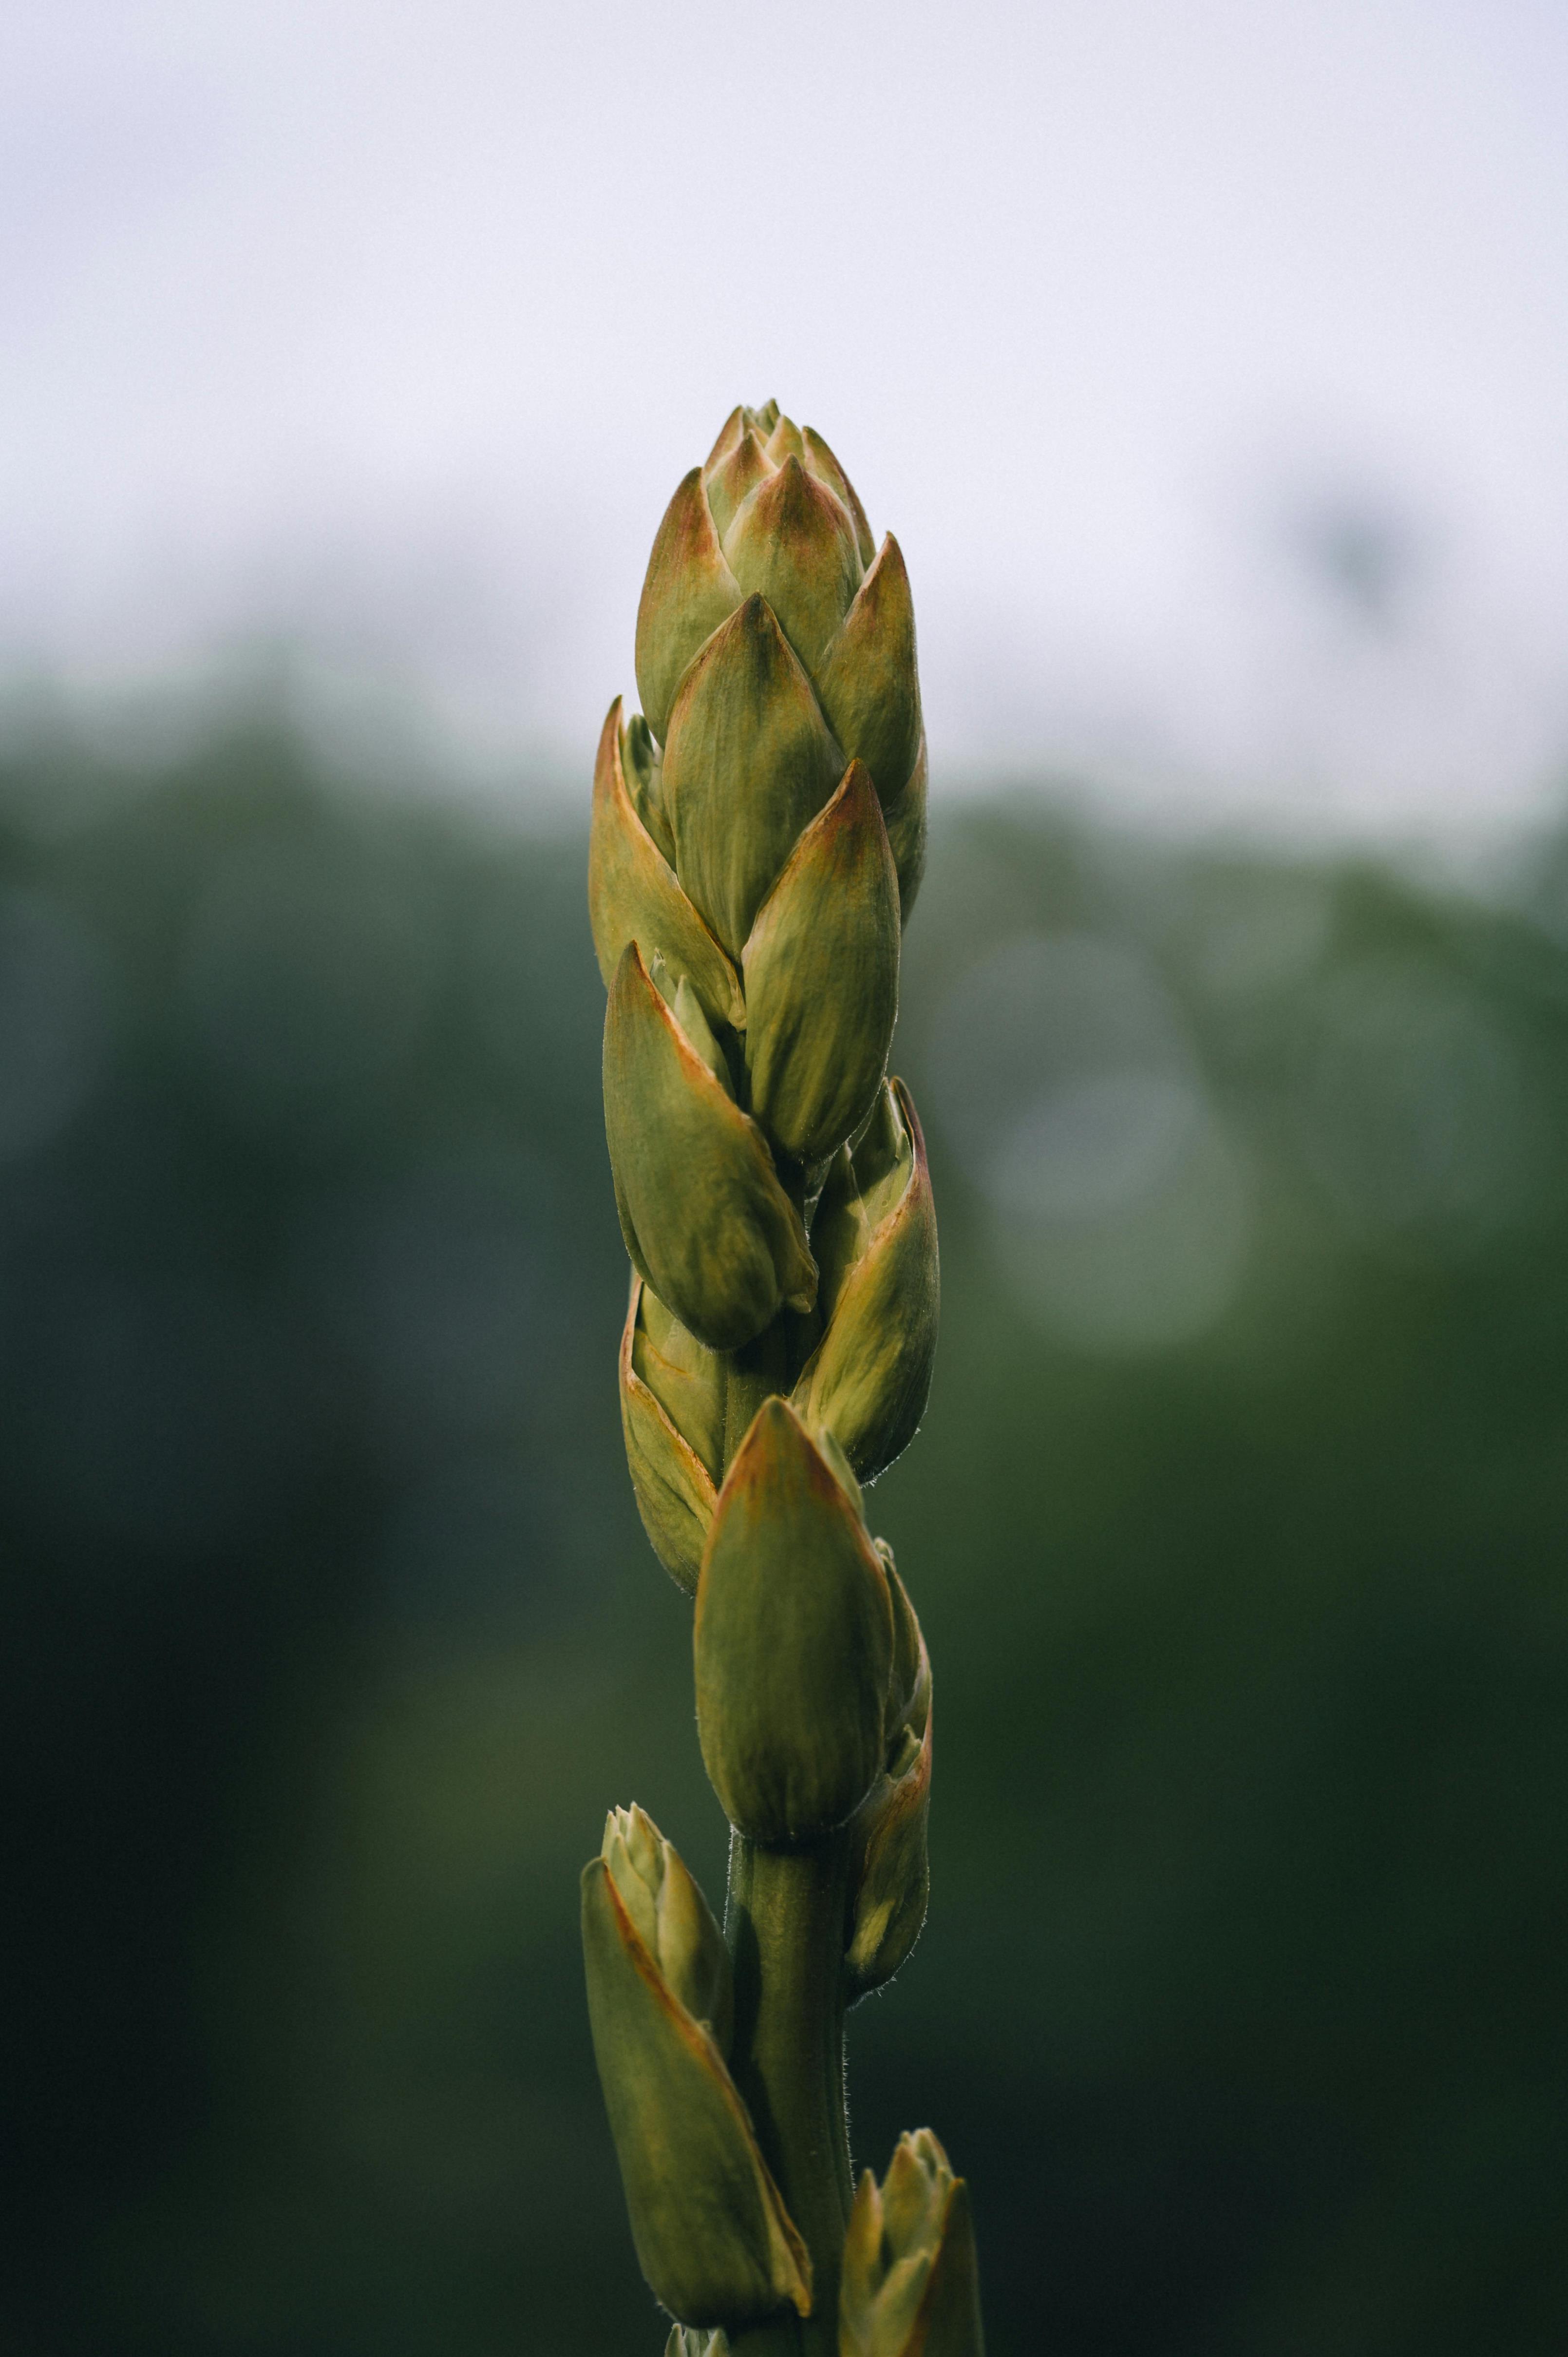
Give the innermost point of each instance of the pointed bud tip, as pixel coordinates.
(776, 1439)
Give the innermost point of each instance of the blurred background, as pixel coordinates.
(1212, 367)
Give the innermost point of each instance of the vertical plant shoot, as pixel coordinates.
(758, 837)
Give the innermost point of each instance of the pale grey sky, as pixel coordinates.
(1210, 361)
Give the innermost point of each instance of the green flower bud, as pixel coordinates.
(672, 1918)
(735, 425)
(712, 2235)
(875, 1237)
(685, 1376)
(868, 681)
(747, 761)
(792, 541)
(909, 2286)
(752, 441)
(822, 977)
(892, 1868)
(689, 1014)
(689, 590)
(786, 440)
(826, 468)
(731, 479)
(702, 1211)
(672, 1407)
(740, 422)
(633, 895)
(793, 1640)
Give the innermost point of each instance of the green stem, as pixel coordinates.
(785, 1924)
(751, 1376)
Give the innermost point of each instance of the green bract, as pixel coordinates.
(822, 977)
(633, 895)
(672, 1919)
(712, 2235)
(702, 1210)
(876, 1232)
(671, 1411)
(747, 762)
(793, 1641)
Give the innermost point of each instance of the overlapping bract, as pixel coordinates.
(773, 519)
(793, 1640)
(875, 1237)
(712, 2235)
(704, 1216)
(760, 831)
(861, 1368)
(757, 842)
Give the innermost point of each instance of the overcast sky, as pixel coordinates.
(1210, 361)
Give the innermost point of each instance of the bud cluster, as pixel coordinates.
(757, 840)
(758, 835)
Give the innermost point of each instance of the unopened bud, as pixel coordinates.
(702, 1211)
(642, 768)
(660, 1895)
(875, 1236)
(793, 1640)
(688, 592)
(792, 541)
(822, 977)
(633, 894)
(868, 681)
(712, 2235)
(732, 478)
(909, 2286)
(826, 468)
(670, 1414)
(748, 760)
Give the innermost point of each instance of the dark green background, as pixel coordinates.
(329, 1632)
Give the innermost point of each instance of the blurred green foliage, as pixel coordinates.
(1237, 1528)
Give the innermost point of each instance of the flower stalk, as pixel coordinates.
(758, 837)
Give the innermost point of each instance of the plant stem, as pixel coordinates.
(785, 1924)
(751, 1376)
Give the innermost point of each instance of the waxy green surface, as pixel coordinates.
(712, 2234)
(757, 841)
(793, 1641)
(704, 1217)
